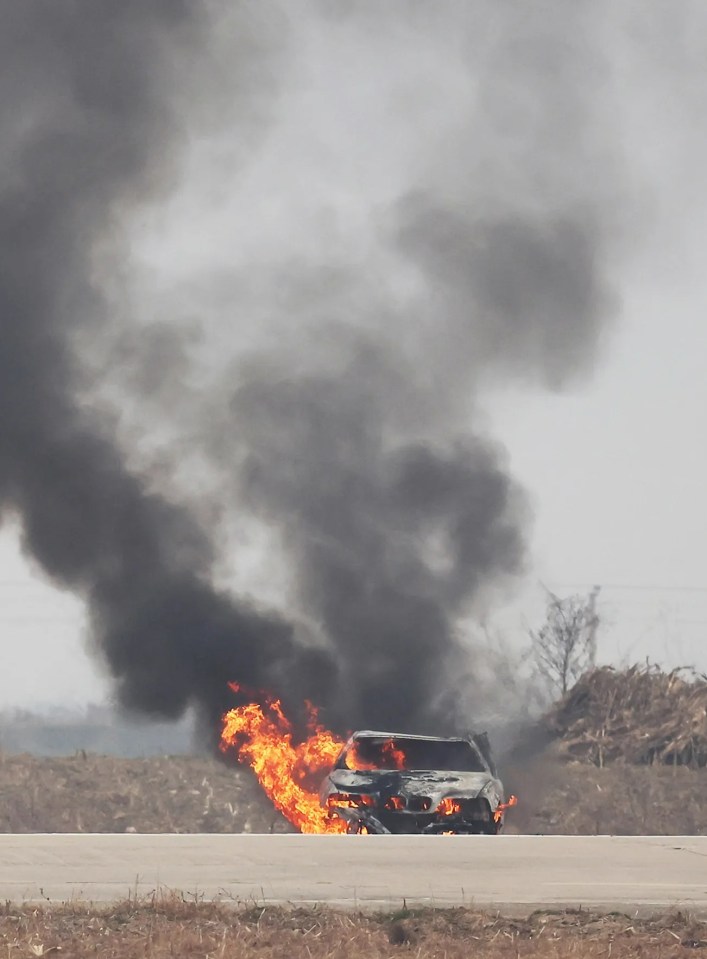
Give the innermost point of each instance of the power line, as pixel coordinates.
(642, 587)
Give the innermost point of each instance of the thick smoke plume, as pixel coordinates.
(354, 435)
(90, 134)
(356, 439)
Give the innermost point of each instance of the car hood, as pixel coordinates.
(434, 784)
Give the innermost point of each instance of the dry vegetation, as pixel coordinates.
(640, 715)
(173, 927)
(87, 793)
(618, 800)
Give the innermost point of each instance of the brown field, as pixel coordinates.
(171, 927)
(625, 800)
(86, 793)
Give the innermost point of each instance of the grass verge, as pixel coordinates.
(168, 926)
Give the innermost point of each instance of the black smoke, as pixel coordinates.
(87, 133)
(387, 540)
(357, 438)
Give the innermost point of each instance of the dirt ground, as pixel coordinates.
(173, 927)
(86, 793)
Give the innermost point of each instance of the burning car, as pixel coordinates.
(395, 783)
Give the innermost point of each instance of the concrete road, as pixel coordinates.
(516, 873)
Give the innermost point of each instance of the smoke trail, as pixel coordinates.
(91, 133)
(355, 436)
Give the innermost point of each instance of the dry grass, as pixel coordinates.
(618, 800)
(171, 927)
(189, 794)
(86, 793)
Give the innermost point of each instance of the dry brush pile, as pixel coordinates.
(640, 716)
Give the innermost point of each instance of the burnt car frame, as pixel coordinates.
(386, 782)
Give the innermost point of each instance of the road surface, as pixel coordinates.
(515, 873)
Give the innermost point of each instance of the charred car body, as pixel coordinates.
(395, 783)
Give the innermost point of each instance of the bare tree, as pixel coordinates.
(565, 645)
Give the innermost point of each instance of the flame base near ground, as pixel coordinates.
(262, 737)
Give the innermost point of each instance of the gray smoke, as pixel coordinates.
(357, 438)
(88, 132)
(354, 436)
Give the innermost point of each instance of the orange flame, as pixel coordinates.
(501, 808)
(350, 800)
(391, 758)
(262, 736)
(449, 807)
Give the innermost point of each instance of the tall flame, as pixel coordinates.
(262, 736)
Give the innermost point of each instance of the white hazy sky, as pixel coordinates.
(616, 469)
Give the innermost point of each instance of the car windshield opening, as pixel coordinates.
(390, 753)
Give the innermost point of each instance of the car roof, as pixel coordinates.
(360, 733)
